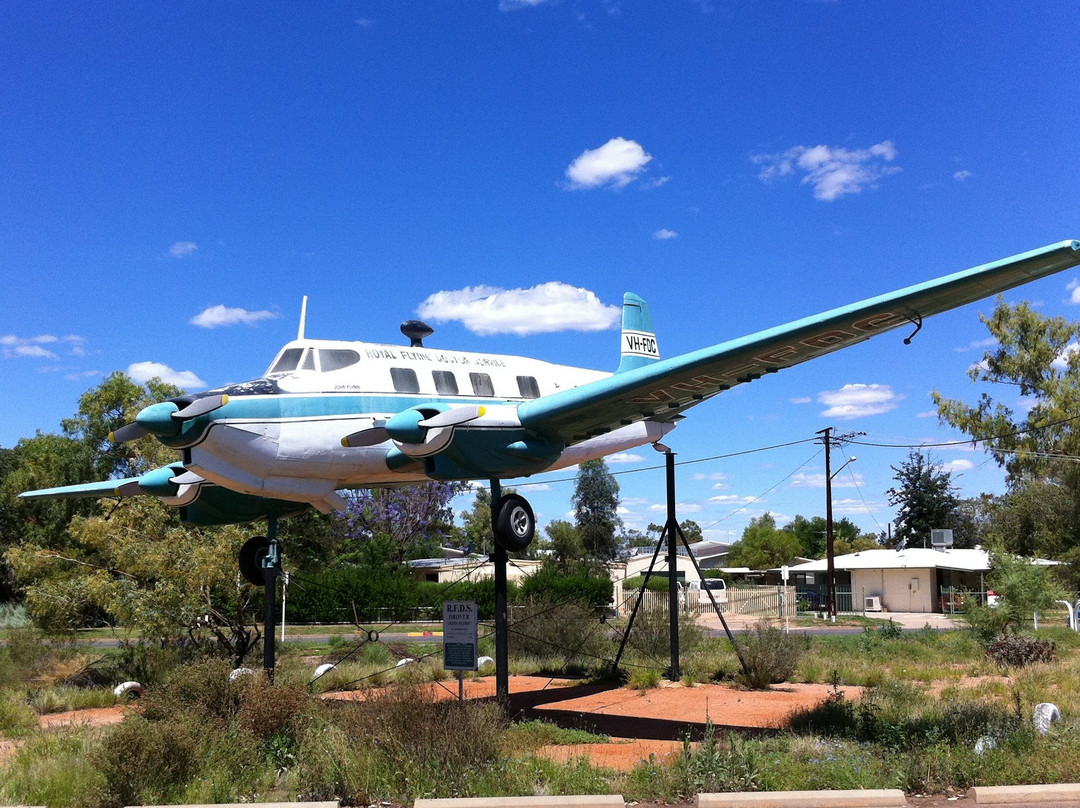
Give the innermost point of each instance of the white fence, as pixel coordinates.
(750, 601)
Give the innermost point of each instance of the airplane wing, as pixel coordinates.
(104, 488)
(663, 389)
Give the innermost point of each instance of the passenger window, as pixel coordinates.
(288, 361)
(445, 382)
(337, 358)
(528, 387)
(405, 380)
(481, 384)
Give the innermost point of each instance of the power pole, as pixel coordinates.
(828, 440)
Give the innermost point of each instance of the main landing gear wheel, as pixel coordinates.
(251, 558)
(515, 524)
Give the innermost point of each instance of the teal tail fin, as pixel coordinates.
(638, 340)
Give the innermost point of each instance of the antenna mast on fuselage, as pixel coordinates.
(303, 318)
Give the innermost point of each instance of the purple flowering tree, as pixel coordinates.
(408, 521)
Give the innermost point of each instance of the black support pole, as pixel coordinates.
(672, 531)
(502, 655)
(271, 568)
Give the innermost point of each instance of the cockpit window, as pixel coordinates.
(336, 358)
(405, 380)
(309, 361)
(288, 360)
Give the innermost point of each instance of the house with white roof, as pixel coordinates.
(914, 579)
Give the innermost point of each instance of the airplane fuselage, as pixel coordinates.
(281, 436)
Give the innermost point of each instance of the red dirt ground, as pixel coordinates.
(641, 723)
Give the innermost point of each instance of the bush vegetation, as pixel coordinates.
(200, 737)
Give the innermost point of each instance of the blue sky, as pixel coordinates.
(175, 176)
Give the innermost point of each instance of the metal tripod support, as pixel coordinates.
(669, 536)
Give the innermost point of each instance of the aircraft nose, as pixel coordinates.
(157, 419)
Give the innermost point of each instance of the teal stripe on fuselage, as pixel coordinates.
(322, 405)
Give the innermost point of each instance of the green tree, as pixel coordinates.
(691, 530)
(1034, 358)
(566, 551)
(596, 505)
(927, 500)
(763, 546)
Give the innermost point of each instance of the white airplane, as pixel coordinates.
(329, 415)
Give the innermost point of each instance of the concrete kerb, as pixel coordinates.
(856, 798)
(562, 801)
(330, 804)
(1026, 795)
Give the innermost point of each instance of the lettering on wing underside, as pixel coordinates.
(772, 359)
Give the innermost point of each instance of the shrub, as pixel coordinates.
(569, 631)
(650, 636)
(144, 762)
(201, 690)
(770, 655)
(1016, 651)
(553, 585)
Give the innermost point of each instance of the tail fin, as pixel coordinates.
(638, 340)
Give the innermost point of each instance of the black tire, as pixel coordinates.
(515, 524)
(251, 557)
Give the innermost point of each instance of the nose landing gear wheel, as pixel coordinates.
(515, 524)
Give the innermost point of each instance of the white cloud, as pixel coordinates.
(663, 234)
(958, 465)
(219, 315)
(927, 414)
(624, 457)
(833, 171)
(847, 479)
(13, 347)
(182, 249)
(618, 163)
(718, 476)
(730, 499)
(976, 345)
(514, 5)
(858, 400)
(801, 400)
(680, 507)
(1063, 358)
(1074, 287)
(962, 175)
(851, 507)
(145, 371)
(543, 309)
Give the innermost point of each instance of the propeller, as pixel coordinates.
(372, 436)
(164, 419)
(410, 426)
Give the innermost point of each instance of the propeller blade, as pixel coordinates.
(128, 432)
(187, 478)
(366, 437)
(201, 406)
(454, 417)
(131, 489)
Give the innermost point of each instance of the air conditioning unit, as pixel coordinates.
(872, 604)
(940, 539)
